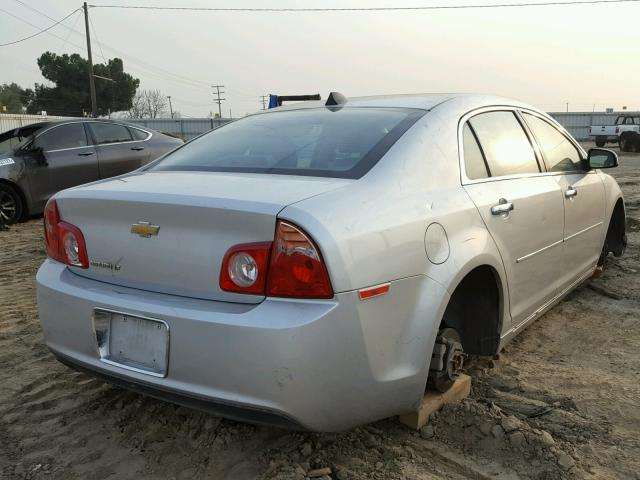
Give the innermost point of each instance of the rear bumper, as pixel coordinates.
(321, 365)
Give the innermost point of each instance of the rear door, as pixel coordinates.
(67, 160)
(583, 197)
(520, 205)
(118, 152)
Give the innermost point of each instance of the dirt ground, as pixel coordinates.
(563, 401)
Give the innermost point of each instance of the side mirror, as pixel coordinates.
(602, 158)
(33, 151)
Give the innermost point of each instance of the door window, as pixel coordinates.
(506, 146)
(560, 154)
(71, 135)
(474, 161)
(109, 133)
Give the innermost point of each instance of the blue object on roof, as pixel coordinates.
(273, 101)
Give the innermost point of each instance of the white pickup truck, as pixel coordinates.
(625, 131)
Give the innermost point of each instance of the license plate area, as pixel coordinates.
(129, 341)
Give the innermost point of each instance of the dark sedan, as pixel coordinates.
(38, 160)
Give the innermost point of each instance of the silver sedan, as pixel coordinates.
(319, 265)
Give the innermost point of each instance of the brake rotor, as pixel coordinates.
(447, 359)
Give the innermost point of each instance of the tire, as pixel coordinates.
(623, 141)
(601, 141)
(444, 378)
(11, 205)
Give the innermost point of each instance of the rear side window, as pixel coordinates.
(474, 162)
(558, 151)
(326, 142)
(109, 133)
(71, 135)
(138, 134)
(506, 147)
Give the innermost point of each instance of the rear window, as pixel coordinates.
(325, 142)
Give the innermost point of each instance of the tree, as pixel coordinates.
(70, 95)
(148, 104)
(13, 98)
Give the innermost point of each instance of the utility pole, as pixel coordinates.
(218, 100)
(170, 107)
(264, 101)
(92, 85)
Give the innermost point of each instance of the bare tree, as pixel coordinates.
(148, 104)
(156, 103)
(138, 109)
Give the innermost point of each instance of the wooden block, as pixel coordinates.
(433, 401)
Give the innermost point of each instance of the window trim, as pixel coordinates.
(464, 180)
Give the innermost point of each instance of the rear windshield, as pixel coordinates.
(324, 142)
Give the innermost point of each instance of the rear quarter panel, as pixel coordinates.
(372, 231)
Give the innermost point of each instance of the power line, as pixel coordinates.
(149, 68)
(73, 27)
(368, 9)
(37, 33)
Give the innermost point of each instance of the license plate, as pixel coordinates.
(132, 342)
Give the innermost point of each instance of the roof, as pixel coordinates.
(426, 101)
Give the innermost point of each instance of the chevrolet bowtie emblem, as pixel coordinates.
(144, 229)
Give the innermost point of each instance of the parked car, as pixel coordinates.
(625, 132)
(317, 265)
(38, 160)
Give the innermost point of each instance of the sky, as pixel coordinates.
(583, 55)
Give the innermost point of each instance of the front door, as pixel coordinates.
(583, 198)
(66, 160)
(521, 208)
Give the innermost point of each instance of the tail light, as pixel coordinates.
(291, 266)
(244, 268)
(65, 242)
(296, 268)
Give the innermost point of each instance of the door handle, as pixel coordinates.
(137, 149)
(85, 154)
(571, 192)
(502, 208)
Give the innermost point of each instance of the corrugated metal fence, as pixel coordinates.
(10, 121)
(187, 128)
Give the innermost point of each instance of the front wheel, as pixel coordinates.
(11, 206)
(447, 359)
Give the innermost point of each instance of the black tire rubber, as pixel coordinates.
(623, 142)
(11, 205)
(601, 141)
(443, 382)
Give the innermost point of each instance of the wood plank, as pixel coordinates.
(433, 401)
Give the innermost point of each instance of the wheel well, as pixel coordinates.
(474, 310)
(616, 239)
(25, 205)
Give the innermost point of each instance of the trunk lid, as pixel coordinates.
(200, 215)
